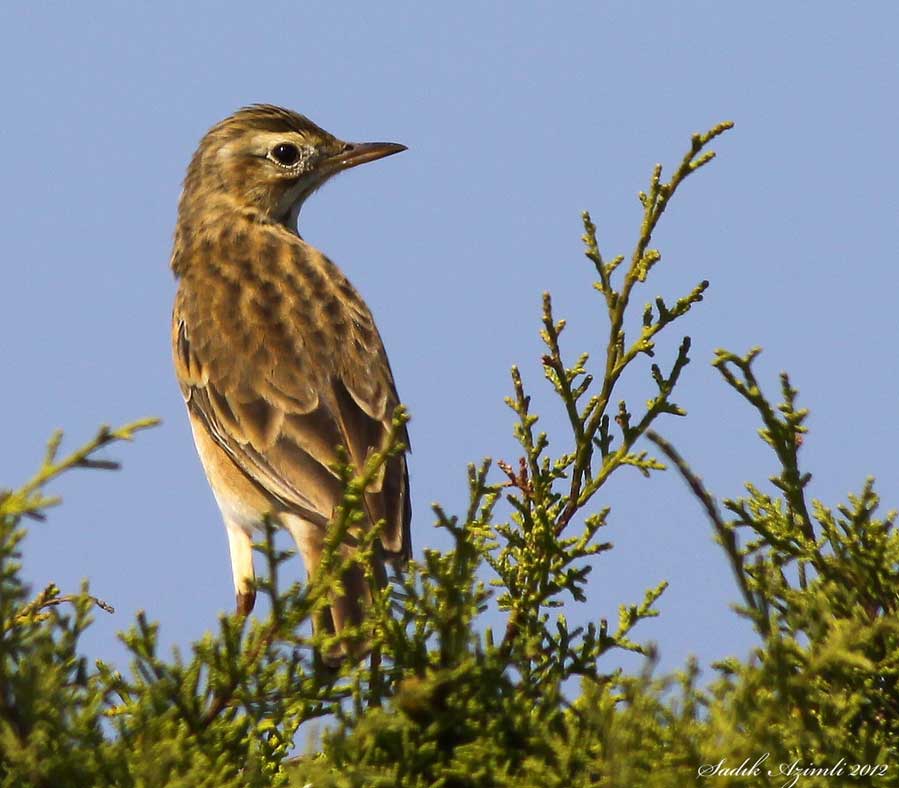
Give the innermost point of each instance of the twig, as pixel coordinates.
(725, 534)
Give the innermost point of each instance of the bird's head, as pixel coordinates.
(268, 160)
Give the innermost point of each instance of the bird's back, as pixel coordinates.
(279, 357)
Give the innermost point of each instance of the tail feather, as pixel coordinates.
(348, 608)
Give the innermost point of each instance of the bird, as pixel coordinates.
(278, 357)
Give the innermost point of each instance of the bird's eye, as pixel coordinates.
(286, 154)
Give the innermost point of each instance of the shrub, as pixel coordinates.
(447, 702)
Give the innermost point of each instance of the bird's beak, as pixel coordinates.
(355, 153)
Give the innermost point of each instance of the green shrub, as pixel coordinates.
(447, 702)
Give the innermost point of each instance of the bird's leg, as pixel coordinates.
(245, 602)
(241, 547)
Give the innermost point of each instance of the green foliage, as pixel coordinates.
(443, 700)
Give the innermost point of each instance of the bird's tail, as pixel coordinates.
(348, 609)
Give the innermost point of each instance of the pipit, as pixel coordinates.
(277, 355)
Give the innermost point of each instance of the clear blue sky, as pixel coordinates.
(517, 117)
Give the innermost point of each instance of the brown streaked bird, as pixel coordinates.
(277, 355)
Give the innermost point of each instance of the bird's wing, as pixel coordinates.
(279, 390)
(366, 398)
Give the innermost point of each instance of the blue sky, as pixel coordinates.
(517, 117)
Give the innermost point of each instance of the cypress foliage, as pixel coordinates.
(447, 702)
